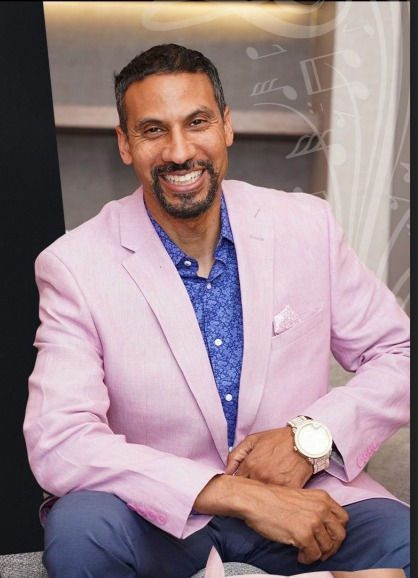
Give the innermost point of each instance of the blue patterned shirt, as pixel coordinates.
(217, 304)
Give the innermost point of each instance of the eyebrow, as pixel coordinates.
(150, 120)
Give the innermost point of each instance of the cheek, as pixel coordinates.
(144, 161)
(214, 151)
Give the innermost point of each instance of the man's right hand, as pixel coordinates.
(310, 520)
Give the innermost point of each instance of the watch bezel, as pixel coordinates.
(310, 454)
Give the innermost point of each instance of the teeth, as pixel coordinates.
(183, 179)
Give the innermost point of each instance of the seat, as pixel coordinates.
(29, 565)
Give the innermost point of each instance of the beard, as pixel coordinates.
(188, 207)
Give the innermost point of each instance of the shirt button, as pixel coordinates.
(228, 397)
(187, 263)
(209, 286)
(230, 448)
(218, 342)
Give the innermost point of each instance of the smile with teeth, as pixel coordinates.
(183, 179)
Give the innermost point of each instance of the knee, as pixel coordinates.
(395, 528)
(82, 523)
(393, 536)
(378, 534)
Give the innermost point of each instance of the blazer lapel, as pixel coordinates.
(254, 244)
(156, 276)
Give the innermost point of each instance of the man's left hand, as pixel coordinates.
(269, 457)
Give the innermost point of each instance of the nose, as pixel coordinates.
(178, 148)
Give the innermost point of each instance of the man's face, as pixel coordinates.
(177, 142)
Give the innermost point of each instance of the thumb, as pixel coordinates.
(238, 455)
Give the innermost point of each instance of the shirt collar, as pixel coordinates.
(175, 253)
(226, 231)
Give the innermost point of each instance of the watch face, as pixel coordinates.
(313, 439)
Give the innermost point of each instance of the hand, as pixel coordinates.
(269, 457)
(310, 520)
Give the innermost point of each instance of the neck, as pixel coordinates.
(197, 237)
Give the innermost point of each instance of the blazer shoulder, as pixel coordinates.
(274, 199)
(97, 234)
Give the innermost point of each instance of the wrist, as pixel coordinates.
(227, 495)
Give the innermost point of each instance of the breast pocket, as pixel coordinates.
(301, 329)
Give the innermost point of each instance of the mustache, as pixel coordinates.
(186, 166)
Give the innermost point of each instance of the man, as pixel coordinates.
(194, 318)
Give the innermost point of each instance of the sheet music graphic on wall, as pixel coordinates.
(407, 175)
(341, 116)
(396, 200)
(254, 55)
(266, 86)
(307, 143)
(314, 80)
(313, 143)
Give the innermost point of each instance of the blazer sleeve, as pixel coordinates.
(369, 337)
(70, 444)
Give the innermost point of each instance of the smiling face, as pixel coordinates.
(177, 142)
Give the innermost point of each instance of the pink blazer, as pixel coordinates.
(122, 398)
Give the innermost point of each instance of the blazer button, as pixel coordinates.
(162, 519)
(361, 460)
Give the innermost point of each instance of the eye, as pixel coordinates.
(198, 122)
(153, 131)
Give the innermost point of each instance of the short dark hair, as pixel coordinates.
(161, 59)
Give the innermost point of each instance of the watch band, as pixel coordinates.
(298, 421)
(319, 464)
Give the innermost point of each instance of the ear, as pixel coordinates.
(229, 132)
(214, 567)
(123, 144)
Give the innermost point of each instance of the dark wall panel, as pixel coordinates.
(31, 218)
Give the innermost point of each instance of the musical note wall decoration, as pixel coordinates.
(341, 116)
(307, 143)
(266, 86)
(395, 200)
(254, 55)
(314, 80)
(313, 143)
(311, 109)
(407, 175)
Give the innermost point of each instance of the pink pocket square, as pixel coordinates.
(286, 319)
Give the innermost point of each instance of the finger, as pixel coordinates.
(310, 553)
(325, 541)
(337, 533)
(237, 456)
(327, 506)
(340, 513)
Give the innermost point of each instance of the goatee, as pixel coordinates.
(188, 208)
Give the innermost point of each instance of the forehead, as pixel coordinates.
(169, 95)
